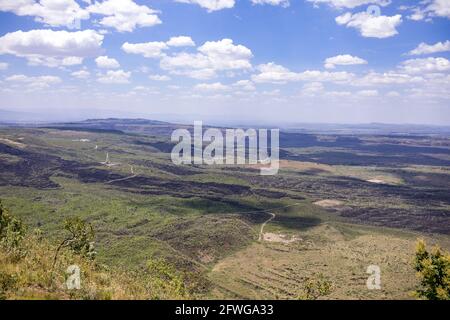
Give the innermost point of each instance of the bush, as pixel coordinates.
(12, 230)
(7, 283)
(166, 280)
(315, 288)
(433, 270)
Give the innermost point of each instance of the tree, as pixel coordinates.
(12, 230)
(433, 270)
(80, 238)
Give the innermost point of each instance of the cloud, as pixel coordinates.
(52, 48)
(211, 87)
(157, 77)
(212, 57)
(54, 13)
(273, 73)
(429, 9)
(350, 3)
(343, 60)
(424, 48)
(107, 63)
(439, 8)
(387, 78)
(155, 49)
(393, 94)
(81, 74)
(426, 65)
(371, 26)
(181, 41)
(115, 77)
(211, 5)
(3, 66)
(124, 15)
(147, 49)
(246, 85)
(367, 93)
(34, 82)
(338, 94)
(312, 89)
(282, 3)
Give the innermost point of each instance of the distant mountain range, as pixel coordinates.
(117, 123)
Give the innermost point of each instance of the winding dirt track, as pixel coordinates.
(261, 232)
(134, 175)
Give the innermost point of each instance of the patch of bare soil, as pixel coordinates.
(299, 166)
(70, 133)
(329, 203)
(304, 166)
(377, 181)
(12, 143)
(205, 257)
(279, 238)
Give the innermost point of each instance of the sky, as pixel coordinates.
(249, 61)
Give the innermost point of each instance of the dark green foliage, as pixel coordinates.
(81, 238)
(433, 269)
(12, 230)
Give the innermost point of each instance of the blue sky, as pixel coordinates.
(341, 61)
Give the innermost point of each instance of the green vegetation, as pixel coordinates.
(315, 288)
(12, 232)
(433, 269)
(166, 231)
(35, 275)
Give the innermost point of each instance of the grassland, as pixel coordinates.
(387, 191)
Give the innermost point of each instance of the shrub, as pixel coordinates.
(166, 280)
(7, 283)
(12, 230)
(433, 270)
(315, 288)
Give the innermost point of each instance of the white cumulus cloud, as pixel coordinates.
(212, 57)
(105, 62)
(426, 65)
(181, 41)
(371, 26)
(343, 60)
(424, 48)
(246, 85)
(124, 15)
(273, 73)
(158, 77)
(217, 86)
(429, 9)
(52, 48)
(211, 5)
(54, 13)
(114, 77)
(34, 82)
(147, 49)
(350, 3)
(81, 74)
(282, 3)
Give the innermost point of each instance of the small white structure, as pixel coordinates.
(107, 162)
